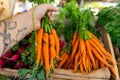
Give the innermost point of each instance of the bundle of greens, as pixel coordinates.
(109, 18)
(71, 17)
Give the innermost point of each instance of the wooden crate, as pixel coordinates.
(100, 74)
(60, 74)
(105, 38)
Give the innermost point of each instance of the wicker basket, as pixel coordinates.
(60, 74)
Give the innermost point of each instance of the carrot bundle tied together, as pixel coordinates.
(47, 48)
(87, 55)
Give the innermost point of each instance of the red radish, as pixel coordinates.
(16, 66)
(28, 36)
(7, 55)
(62, 43)
(2, 62)
(20, 50)
(19, 65)
(15, 57)
(8, 63)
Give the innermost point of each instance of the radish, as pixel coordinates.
(19, 65)
(62, 43)
(15, 57)
(2, 62)
(7, 55)
(20, 50)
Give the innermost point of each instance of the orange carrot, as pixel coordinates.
(95, 52)
(101, 65)
(65, 57)
(52, 50)
(97, 48)
(83, 51)
(74, 49)
(93, 36)
(56, 42)
(46, 52)
(39, 45)
(89, 64)
(106, 53)
(76, 62)
(74, 38)
(89, 52)
(97, 64)
(81, 67)
(70, 66)
(113, 71)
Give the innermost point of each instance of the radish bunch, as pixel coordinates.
(12, 59)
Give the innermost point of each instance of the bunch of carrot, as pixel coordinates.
(86, 55)
(47, 48)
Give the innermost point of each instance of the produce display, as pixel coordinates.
(109, 18)
(43, 50)
(87, 52)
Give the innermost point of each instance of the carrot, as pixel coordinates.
(74, 49)
(56, 42)
(97, 63)
(65, 57)
(101, 65)
(74, 38)
(83, 51)
(42, 61)
(46, 52)
(70, 65)
(107, 54)
(87, 64)
(39, 45)
(93, 36)
(89, 52)
(52, 50)
(95, 52)
(76, 62)
(113, 71)
(97, 42)
(97, 48)
(81, 67)
(63, 54)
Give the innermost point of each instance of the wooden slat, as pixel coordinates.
(108, 45)
(113, 55)
(8, 72)
(100, 74)
(104, 74)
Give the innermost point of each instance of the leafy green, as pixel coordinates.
(23, 72)
(73, 19)
(34, 74)
(24, 41)
(15, 47)
(29, 54)
(109, 18)
(41, 73)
